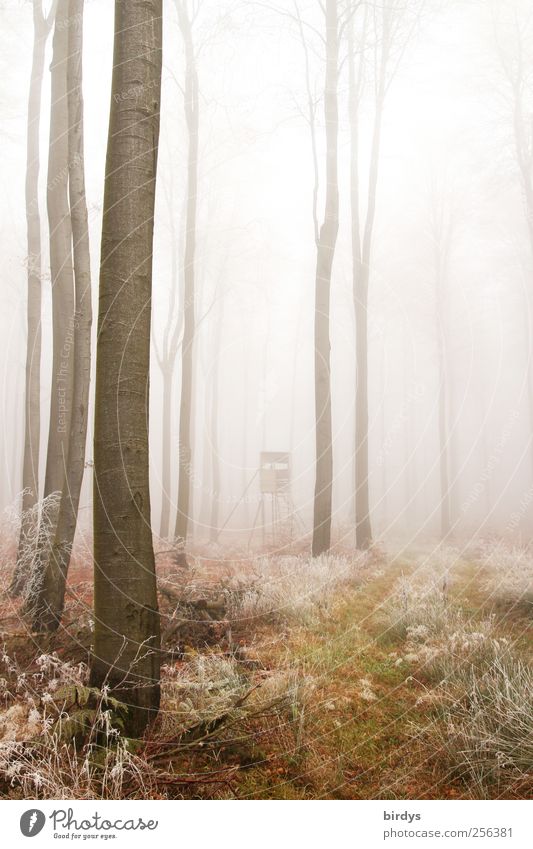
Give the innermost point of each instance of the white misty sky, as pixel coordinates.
(444, 123)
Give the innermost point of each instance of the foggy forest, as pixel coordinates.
(266, 399)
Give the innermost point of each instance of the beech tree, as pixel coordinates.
(513, 37)
(336, 17)
(32, 404)
(325, 253)
(166, 354)
(127, 629)
(52, 587)
(63, 320)
(382, 31)
(61, 272)
(441, 230)
(186, 20)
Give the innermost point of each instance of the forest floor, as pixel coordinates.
(361, 678)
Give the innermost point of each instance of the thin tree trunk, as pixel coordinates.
(442, 228)
(445, 517)
(245, 436)
(384, 483)
(516, 72)
(524, 163)
(166, 360)
(61, 267)
(214, 520)
(62, 278)
(528, 336)
(52, 595)
(127, 629)
(487, 472)
(166, 435)
(185, 447)
(32, 396)
(325, 255)
(409, 421)
(362, 253)
(441, 253)
(363, 530)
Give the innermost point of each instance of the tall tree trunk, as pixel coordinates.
(185, 447)
(52, 595)
(61, 268)
(62, 278)
(325, 254)
(361, 257)
(444, 463)
(166, 435)
(214, 520)
(528, 340)
(166, 359)
(245, 437)
(127, 628)
(363, 530)
(524, 162)
(514, 65)
(32, 397)
(441, 236)
(384, 483)
(409, 512)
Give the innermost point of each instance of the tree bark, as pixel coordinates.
(524, 158)
(214, 520)
(52, 594)
(61, 268)
(166, 435)
(62, 279)
(441, 224)
(166, 360)
(444, 461)
(325, 255)
(127, 627)
(184, 446)
(361, 257)
(32, 402)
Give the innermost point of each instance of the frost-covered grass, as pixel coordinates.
(481, 690)
(60, 740)
(208, 687)
(489, 725)
(295, 589)
(310, 686)
(437, 636)
(510, 572)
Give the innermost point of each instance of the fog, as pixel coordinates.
(450, 197)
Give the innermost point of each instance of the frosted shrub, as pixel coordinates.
(200, 690)
(45, 715)
(52, 769)
(10, 520)
(439, 639)
(209, 688)
(295, 588)
(436, 563)
(418, 608)
(453, 656)
(511, 572)
(31, 549)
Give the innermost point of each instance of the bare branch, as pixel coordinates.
(312, 123)
(292, 17)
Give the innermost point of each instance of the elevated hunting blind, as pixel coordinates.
(275, 510)
(274, 472)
